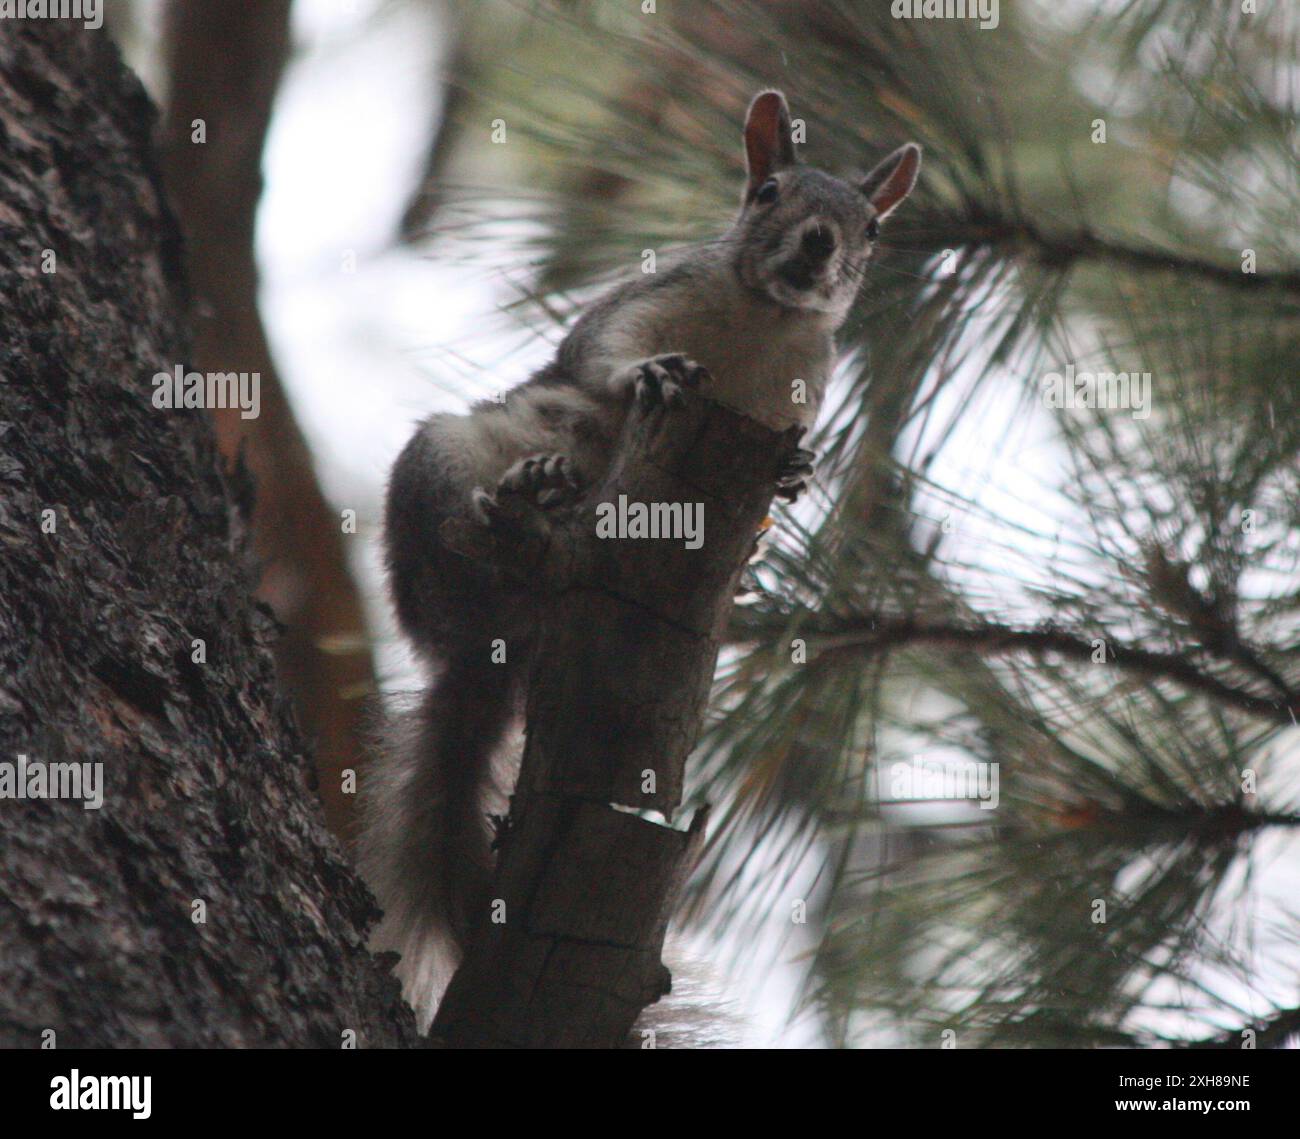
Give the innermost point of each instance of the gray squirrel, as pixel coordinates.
(744, 316)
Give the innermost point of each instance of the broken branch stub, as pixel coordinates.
(618, 688)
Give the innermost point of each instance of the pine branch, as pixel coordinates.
(1281, 1027)
(1065, 249)
(882, 634)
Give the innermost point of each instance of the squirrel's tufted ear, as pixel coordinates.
(890, 182)
(768, 145)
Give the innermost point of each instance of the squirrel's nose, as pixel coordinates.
(818, 242)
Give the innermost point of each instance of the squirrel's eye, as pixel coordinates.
(873, 229)
(768, 193)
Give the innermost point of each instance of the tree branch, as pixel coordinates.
(1064, 249)
(1274, 1033)
(216, 185)
(619, 683)
(885, 633)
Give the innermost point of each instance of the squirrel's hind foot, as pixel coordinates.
(539, 483)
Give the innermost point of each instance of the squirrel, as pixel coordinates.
(746, 315)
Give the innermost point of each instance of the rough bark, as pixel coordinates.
(618, 689)
(204, 773)
(215, 186)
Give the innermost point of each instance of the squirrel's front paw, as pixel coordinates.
(793, 474)
(546, 483)
(658, 381)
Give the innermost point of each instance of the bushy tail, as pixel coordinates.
(425, 847)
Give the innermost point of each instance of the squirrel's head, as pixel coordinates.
(804, 237)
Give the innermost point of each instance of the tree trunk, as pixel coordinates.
(203, 903)
(215, 185)
(618, 689)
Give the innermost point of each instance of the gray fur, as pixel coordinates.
(758, 309)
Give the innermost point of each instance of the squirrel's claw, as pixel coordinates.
(543, 483)
(795, 466)
(485, 506)
(659, 380)
(793, 474)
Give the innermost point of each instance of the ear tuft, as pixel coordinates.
(768, 145)
(893, 179)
